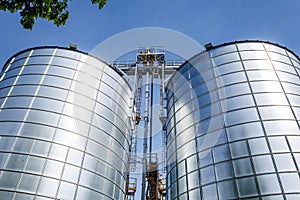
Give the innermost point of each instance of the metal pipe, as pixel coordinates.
(146, 123)
(151, 115)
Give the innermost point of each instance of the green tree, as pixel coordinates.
(52, 10)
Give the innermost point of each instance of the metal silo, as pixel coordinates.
(233, 124)
(63, 126)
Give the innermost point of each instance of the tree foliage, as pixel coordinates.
(52, 10)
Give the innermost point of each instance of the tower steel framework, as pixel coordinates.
(150, 64)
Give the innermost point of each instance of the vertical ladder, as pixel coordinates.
(138, 97)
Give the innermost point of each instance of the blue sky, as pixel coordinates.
(216, 21)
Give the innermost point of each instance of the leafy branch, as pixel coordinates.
(52, 10)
